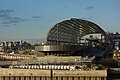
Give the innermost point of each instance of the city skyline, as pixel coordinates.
(32, 19)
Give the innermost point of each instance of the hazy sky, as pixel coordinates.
(31, 19)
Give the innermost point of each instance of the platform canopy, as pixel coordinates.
(71, 31)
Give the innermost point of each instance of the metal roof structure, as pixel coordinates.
(71, 31)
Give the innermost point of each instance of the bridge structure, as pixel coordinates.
(66, 38)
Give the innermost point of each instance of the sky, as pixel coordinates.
(32, 19)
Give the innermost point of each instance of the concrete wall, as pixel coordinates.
(32, 74)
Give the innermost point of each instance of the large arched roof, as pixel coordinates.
(71, 31)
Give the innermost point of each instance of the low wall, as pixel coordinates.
(32, 74)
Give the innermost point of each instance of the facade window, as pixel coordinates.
(35, 78)
(45, 78)
(19, 78)
(61, 78)
(72, 78)
(84, 78)
(3, 78)
(8, 78)
(24, 78)
(89, 78)
(56, 78)
(67, 78)
(102, 78)
(40, 78)
(14, 78)
(29, 78)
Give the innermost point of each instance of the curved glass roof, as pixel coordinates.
(71, 31)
